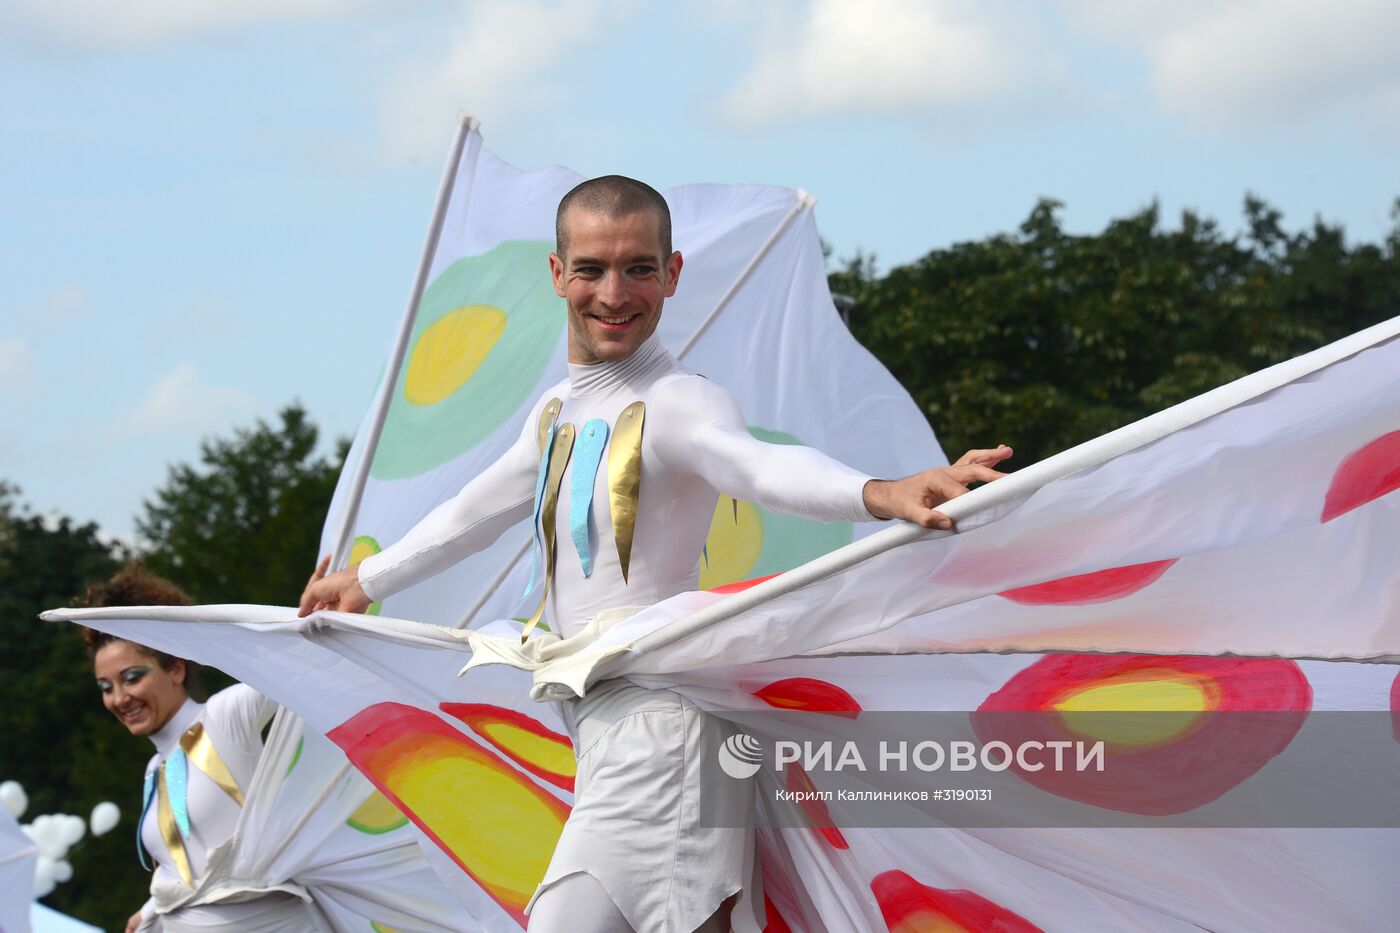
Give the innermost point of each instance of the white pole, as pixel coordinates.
(804, 203)
(465, 127)
(1017, 485)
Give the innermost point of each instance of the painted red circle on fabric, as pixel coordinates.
(1085, 588)
(1395, 707)
(1250, 710)
(739, 586)
(810, 695)
(815, 811)
(773, 921)
(909, 906)
(1364, 476)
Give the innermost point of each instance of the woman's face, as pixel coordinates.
(136, 689)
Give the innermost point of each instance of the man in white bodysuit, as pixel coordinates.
(622, 464)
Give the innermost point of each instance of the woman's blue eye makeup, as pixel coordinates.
(134, 674)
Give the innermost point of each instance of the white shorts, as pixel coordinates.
(665, 831)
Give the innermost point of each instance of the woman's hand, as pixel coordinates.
(133, 923)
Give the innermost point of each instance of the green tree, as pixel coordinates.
(1043, 339)
(59, 741)
(244, 525)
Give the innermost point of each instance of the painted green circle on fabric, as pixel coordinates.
(487, 328)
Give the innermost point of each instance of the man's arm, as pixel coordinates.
(700, 428)
(493, 501)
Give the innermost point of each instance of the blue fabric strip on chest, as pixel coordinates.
(588, 453)
(177, 780)
(148, 796)
(539, 503)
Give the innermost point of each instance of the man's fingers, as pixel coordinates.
(975, 473)
(936, 520)
(312, 598)
(984, 457)
(974, 456)
(320, 570)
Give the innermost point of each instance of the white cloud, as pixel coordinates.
(502, 59)
(845, 58)
(16, 367)
(60, 305)
(124, 25)
(182, 401)
(1229, 62)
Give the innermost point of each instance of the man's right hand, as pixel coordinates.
(339, 591)
(916, 498)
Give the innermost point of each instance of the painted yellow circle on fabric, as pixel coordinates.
(377, 815)
(365, 546)
(450, 351)
(541, 751)
(927, 921)
(732, 547)
(1173, 701)
(506, 845)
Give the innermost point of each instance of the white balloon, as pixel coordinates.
(47, 833)
(74, 828)
(105, 817)
(13, 798)
(62, 871)
(44, 881)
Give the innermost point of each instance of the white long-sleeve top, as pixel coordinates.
(233, 719)
(695, 445)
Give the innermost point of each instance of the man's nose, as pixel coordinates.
(612, 291)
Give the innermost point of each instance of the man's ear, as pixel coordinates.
(556, 273)
(673, 272)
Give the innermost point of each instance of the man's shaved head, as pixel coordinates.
(614, 196)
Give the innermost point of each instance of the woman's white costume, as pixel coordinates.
(254, 838)
(623, 464)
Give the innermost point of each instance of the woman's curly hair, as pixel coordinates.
(134, 585)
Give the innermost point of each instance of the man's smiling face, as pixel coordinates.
(614, 278)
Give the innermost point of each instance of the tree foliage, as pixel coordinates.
(1043, 339)
(245, 523)
(59, 741)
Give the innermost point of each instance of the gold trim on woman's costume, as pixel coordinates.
(204, 756)
(165, 819)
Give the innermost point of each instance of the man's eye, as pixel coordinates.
(643, 270)
(589, 271)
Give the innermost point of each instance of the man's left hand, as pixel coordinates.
(917, 498)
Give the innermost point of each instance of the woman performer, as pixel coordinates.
(206, 755)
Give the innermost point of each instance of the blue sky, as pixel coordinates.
(212, 209)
